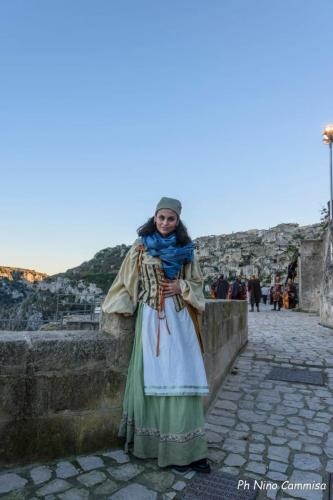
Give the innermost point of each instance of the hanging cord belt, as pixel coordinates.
(160, 316)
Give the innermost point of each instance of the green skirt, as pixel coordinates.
(169, 428)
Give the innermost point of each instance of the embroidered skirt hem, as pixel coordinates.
(169, 428)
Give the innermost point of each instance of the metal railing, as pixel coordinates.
(65, 306)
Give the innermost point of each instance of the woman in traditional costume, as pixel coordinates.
(160, 280)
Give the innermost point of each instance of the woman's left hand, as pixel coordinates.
(171, 288)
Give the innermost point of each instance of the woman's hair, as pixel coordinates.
(181, 233)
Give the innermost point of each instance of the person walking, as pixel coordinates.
(237, 290)
(264, 293)
(221, 288)
(291, 294)
(271, 291)
(277, 294)
(254, 290)
(160, 278)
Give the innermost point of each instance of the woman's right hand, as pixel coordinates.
(171, 288)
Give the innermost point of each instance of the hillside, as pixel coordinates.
(28, 302)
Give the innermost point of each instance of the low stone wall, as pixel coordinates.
(326, 292)
(225, 330)
(61, 392)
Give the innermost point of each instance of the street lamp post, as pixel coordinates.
(328, 139)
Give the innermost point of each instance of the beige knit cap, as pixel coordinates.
(170, 203)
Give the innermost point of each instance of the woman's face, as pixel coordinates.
(166, 221)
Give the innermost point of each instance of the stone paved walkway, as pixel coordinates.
(272, 431)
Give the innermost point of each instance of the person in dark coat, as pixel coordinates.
(221, 288)
(277, 294)
(254, 289)
(237, 290)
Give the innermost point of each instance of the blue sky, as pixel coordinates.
(105, 106)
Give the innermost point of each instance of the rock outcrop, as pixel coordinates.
(16, 273)
(257, 251)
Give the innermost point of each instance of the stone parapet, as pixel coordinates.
(326, 291)
(310, 265)
(225, 330)
(61, 391)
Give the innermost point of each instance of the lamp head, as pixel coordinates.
(328, 134)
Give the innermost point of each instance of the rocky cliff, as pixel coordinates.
(16, 273)
(263, 252)
(25, 305)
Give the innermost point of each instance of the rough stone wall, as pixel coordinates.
(326, 291)
(61, 392)
(310, 268)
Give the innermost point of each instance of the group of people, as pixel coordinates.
(222, 289)
(278, 295)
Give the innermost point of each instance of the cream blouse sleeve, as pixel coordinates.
(191, 285)
(122, 297)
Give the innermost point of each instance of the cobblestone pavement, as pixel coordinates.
(269, 430)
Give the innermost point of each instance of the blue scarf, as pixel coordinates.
(172, 256)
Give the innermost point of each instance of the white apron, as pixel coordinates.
(179, 369)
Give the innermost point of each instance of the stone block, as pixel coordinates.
(12, 396)
(118, 455)
(40, 474)
(90, 462)
(18, 439)
(14, 353)
(96, 430)
(75, 494)
(234, 460)
(305, 477)
(106, 488)
(54, 351)
(55, 486)
(66, 469)
(10, 482)
(92, 478)
(125, 472)
(136, 491)
(278, 453)
(121, 330)
(306, 461)
(159, 481)
(86, 390)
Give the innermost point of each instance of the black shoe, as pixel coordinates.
(181, 468)
(201, 466)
